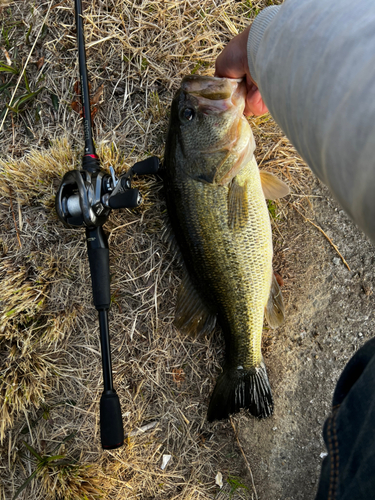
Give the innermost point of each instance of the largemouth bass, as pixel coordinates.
(216, 204)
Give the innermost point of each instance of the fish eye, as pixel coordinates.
(188, 114)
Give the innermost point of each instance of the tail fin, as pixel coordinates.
(237, 388)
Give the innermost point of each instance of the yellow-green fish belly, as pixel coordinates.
(236, 263)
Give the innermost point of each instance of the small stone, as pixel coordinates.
(367, 289)
(165, 461)
(219, 479)
(336, 261)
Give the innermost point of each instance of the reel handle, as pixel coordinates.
(149, 166)
(127, 199)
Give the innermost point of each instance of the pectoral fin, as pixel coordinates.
(192, 316)
(274, 310)
(238, 206)
(273, 187)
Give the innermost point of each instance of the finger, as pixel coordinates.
(254, 103)
(227, 65)
(232, 62)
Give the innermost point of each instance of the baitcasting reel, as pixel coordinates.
(86, 197)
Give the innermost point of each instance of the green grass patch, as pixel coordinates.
(235, 483)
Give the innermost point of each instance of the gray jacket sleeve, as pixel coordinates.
(314, 64)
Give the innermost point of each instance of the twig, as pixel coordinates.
(326, 235)
(143, 429)
(244, 456)
(270, 151)
(24, 68)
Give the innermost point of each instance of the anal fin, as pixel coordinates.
(274, 311)
(192, 316)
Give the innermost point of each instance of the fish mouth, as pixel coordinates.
(219, 96)
(215, 94)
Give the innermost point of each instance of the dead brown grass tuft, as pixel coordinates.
(34, 178)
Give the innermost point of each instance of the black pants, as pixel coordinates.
(348, 472)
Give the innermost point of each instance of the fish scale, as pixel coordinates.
(236, 266)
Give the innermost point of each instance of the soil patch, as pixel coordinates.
(329, 315)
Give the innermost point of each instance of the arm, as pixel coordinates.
(314, 64)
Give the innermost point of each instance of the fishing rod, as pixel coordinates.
(85, 199)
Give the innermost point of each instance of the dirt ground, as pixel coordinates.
(329, 315)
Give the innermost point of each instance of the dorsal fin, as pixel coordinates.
(273, 187)
(274, 310)
(192, 316)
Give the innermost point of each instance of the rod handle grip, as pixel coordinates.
(111, 428)
(98, 253)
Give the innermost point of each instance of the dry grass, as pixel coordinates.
(49, 348)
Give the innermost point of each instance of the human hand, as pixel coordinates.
(232, 63)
